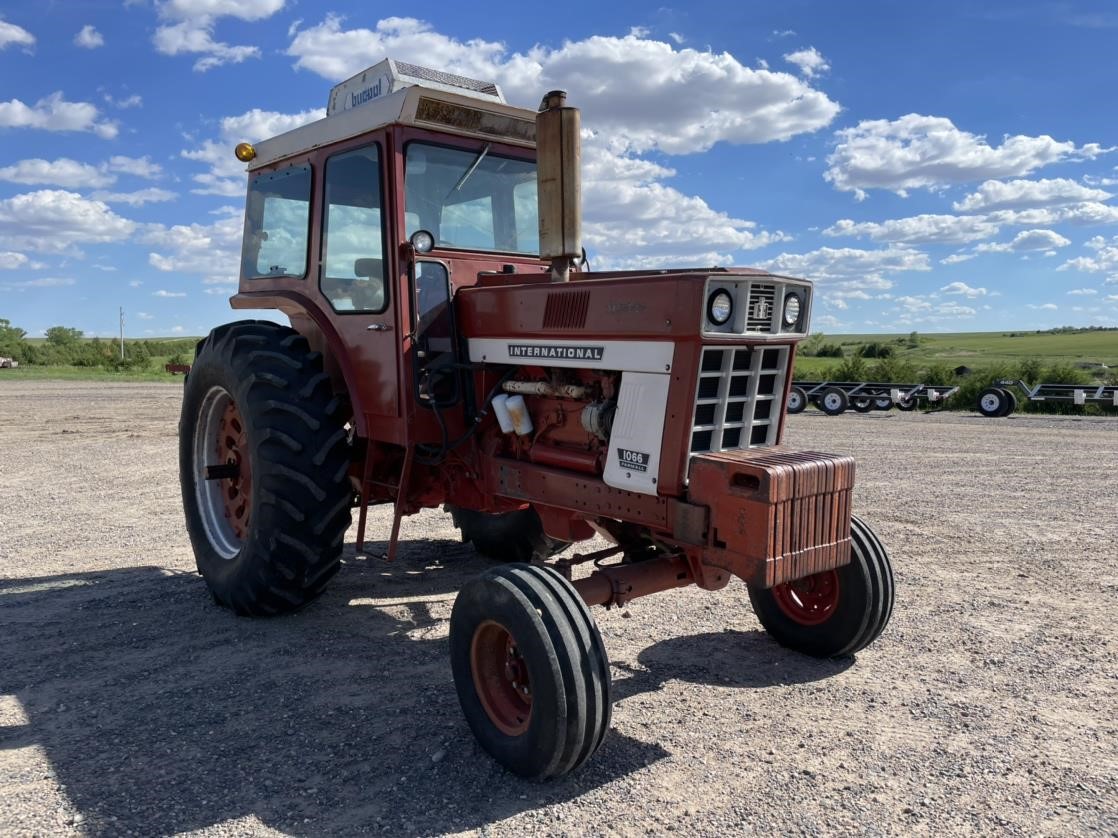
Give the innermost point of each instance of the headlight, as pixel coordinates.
(791, 310)
(719, 308)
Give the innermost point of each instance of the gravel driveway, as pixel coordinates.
(130, 704)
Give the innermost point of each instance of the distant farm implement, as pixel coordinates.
(1000, 399)
(835, 397)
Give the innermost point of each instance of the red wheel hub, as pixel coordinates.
(810, 601)
(501, 678)
(232, 449)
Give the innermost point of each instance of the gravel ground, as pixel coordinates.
(130, 704)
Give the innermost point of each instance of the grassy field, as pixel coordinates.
(974, 348)
(979, 350)
(69, 373)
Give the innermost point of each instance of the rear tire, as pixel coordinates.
(836, 612)
(833, 401)
(797, 400)
(908, 405)
(508, 536)
(862, 405)
(1010, 402)
(530, 670)
(883, 403)
(993, 402)
(267, 535)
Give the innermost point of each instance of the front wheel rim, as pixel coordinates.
(990, 403)
(832, 401)
(224, 503)
(501, 678)
(810, 601)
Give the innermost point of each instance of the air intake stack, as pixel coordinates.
(559, 160)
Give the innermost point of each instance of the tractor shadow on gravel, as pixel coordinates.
(735, 659)
(160, 712)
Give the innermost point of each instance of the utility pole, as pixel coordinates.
(122, 333)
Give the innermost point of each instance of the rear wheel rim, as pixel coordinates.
(832, 401)
(991, 402)
(225, 504)
(810, 601)
(501, 678)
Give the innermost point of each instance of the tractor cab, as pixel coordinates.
(360, 227)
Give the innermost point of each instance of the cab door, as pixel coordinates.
(353, 275)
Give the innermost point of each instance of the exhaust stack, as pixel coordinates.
(559, 160)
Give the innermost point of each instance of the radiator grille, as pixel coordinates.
(762, 307)
(738, 397)
(566, 310)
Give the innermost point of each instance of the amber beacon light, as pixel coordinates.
(245, 152)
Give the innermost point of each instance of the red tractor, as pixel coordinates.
(448, 347)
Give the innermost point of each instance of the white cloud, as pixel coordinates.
(143, 315)
(1021, 194)
(10, 261)
(956, 258)
(1043, 307)
(675, 100)
(192, 29)
(632, 220)
(210, 250)
(56, 221)
(133, 101)
(61, 172)
(137, 166)
(196, 36)
(150, 195)
(162, 293)
(917, 151)
(1082, 292)
(918, 229)
(227, 174)
(1025, 241)
(1090, 213)
(72, 174)
(136, 283)
(964, 290)
(858, 269)
(1105, 259)
(54, 113)
(12, 34)
(675, 36)
(810, 61)
(241, 9)
(89, 38)
(39, 282)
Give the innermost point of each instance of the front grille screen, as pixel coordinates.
(737, 397)
(759, 313)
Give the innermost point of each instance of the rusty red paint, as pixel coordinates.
(232, 449)
(501, 678)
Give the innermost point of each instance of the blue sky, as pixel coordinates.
(937, 167)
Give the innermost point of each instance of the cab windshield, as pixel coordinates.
(471, 199)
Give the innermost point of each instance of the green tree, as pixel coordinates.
(63, 336)
(11, 338)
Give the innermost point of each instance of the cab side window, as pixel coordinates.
(353, 269)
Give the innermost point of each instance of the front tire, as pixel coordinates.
(530, 670)
(835, 612)
(264, 468)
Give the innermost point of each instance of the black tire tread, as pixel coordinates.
(300, 463)
(570, 639)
